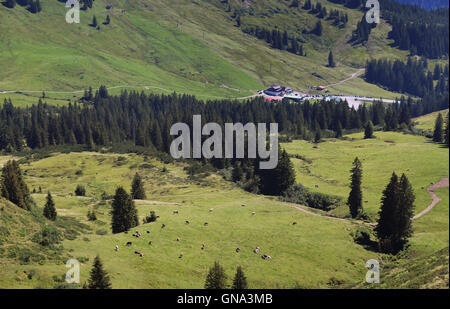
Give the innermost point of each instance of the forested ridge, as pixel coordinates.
(145, 120)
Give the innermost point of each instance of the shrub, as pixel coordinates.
(361, 236)
(300, 195)
(91, 215)
(101, 232)
(80, 191)
(47, 236)
(151, 218)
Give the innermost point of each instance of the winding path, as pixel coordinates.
(443, 183)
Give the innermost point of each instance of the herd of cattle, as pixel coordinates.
(137, 234)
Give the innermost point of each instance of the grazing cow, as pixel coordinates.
(238, 250)
(175, 212)
(141, 254)
(178, 238)
(205, 224)
(253, 213)
(129, 243)
(181, 255)
(266, 257)
(136, 252)
(187, 222)
(316, 186)
(203, 246)
(150, 243)
(163, 226)
(211, 210)
(157, 217)
(243, 205)
(295, 223)
(117, 248)
(148, 232)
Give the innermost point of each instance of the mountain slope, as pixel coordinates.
(183, 46)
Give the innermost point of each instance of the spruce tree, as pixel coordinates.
(355, 198)
(13, 187)
(137, 188)
(331, 62)
(438, 129)
(124, 212)
(368, 131)
(99, 278)
(405, 213)
(240, 281)
(386, 227)
(94, 22)
(49, 208)
(216, 278)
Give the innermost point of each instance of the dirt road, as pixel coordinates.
(443, 183)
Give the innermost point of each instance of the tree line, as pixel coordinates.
(422, 32)
(145, 120)
(411, 77)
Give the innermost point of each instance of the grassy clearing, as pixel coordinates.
(307, 255)
(328, 166)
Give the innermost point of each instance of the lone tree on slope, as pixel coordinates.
(355, 198)
(331, 62)
(368, 131)
(137, 188)
(124, 212)
(239, 281)
(49, 208)
(99, 278)
(216, 278)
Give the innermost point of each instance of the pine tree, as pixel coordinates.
(405, 213)
(355, 198)
(331, 62)
(240, 281)
(124, 212)
(99, 278)
(216, 278)
(318, 136)
(108, 20)
(49, 208)
(13, 187)
(368, 131)
(276, 181)
(386, 227)
(94, 22)
(438, 129)
(339, 130)
(137, 188)
(318, 29)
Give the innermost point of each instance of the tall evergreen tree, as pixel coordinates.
(397, 210)
(11, 3)
(239, 281)
(279, 179)
(355, 198)
(386, 227)
(137, 188)
(368, 131)
(13, 187)
(99, 278)
(216, 278)
(124, 212)
(438, 133)
(331, 62)
(49, 208)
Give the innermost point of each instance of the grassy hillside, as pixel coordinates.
(317, 252)
(183, 46)
(427, 122)
(309, 254)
